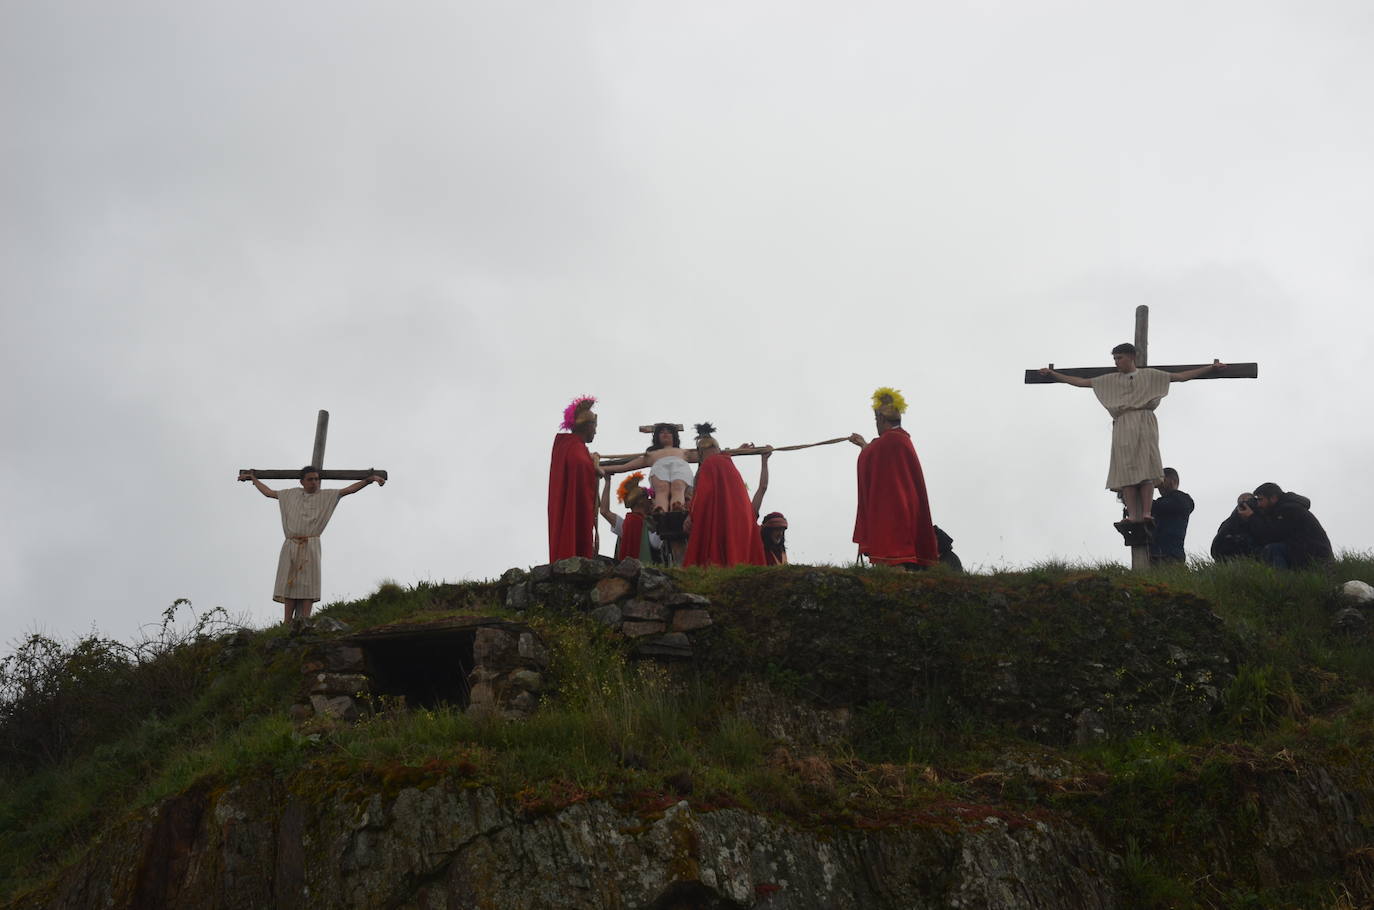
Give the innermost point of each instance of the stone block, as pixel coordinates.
(656, 584)
(532, 649)
(518, 597)
(481, 698)
(629, 568)
(638, 629)
(609, 590)
(540, 574)
(339, 683)
(1350, 621)
(300, 713)
(690, 620)
(528, 680)
(1357, 592)
(579, 567)
(644, 609)
(522, 703)
(562, 597)
(340, 707)
(671, 645)
(514, 577)
(341, 658)
(324, 625)
(608, 615)
(687, 600)
(493, 647)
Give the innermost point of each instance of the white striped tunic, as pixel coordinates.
(1131, 399)
(303, 518)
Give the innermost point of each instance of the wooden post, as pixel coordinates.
(321, 431)
(1142, 335)
(1140, 554)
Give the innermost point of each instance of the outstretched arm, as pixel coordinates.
(263, 488)
(606, 512)
(858, 440)
(1057, 376)
(633, 464)
(763, 478)
(355, 487)
(1200, 371)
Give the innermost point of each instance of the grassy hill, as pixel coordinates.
(1190, 718)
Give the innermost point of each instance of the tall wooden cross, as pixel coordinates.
(317, 460)
(1140, 552)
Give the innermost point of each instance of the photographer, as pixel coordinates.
(1287, 533)
(1233, 540)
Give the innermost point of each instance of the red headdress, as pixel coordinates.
(580, 411)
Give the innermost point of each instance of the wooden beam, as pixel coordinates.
(649, 428)
(1231, 371)
(324, 475)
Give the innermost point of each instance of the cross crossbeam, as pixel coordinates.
(1230, 371)
(317, 460)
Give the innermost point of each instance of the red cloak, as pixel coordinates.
(893, 524)
(572, 499)
(723, 529)
(631, 537)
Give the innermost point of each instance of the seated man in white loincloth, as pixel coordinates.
(668, 471)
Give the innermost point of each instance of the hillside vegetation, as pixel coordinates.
(828, 699)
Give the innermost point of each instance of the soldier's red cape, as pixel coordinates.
(631, 537)
(723, 529)
(572, 498)
(893, 523)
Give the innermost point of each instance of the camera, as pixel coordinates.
(1252, 503)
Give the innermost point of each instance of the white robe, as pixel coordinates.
(1131, 399)
(303, 519)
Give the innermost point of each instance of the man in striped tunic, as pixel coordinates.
(305, 510)
(1131, 395)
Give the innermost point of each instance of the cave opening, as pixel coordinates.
(428, 668)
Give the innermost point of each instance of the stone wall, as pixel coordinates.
(638, 601)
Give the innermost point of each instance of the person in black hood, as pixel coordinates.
(1288, 534)
(1233, 540)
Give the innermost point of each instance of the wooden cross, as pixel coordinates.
(316, 460)
(1140, 553)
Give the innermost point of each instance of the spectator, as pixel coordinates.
(1288, 534)
(1171, 511)
(1234, 540)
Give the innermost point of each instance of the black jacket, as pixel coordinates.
(1233, 539)
(1171, 511)
(1291, 522)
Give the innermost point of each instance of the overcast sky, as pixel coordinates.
(442, 221)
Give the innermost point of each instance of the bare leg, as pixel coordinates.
(1131, 497)
(296, 608)
(660, 494)
(1147, 497)
(679, 494)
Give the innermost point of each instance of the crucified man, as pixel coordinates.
(305, 510)
(1131, 395)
